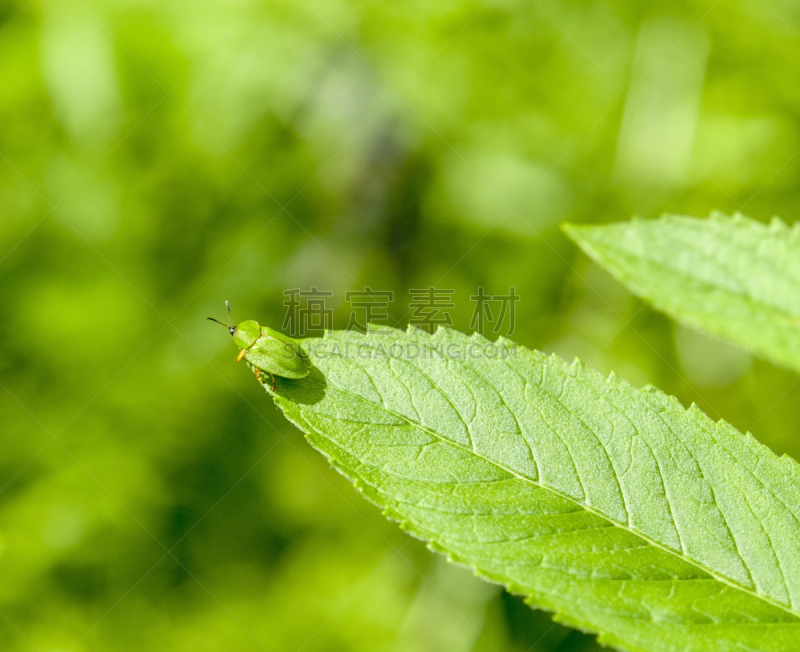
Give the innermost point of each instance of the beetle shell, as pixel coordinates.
(245, 333)
(274, 353)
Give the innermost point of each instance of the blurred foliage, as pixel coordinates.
(157, 158)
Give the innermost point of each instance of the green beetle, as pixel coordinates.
(267, 350)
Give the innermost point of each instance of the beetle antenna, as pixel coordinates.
(220, 323)
(229, 327)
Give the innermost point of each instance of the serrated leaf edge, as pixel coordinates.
(672, 401)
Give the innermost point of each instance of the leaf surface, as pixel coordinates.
(616, 508)
(733, 277)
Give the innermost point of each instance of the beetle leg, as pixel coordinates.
(241, 355)
(273, 382)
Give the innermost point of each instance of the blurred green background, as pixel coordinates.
(157, 158)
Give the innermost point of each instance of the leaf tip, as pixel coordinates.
(569, 228)
(579, 233)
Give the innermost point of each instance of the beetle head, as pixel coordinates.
(245, 333)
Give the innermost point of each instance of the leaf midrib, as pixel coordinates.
(571, 499)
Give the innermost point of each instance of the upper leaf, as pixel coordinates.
(614, 507)
(734, 277)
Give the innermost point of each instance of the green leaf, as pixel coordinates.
(614, 507)
(734, 277)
